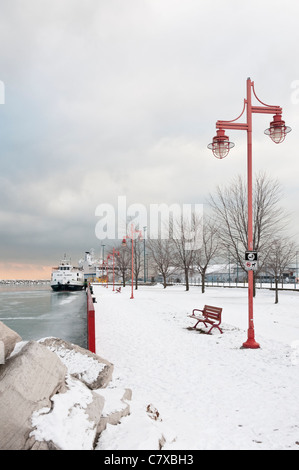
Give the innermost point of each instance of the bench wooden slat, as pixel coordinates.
(214, 316)
(209, 308)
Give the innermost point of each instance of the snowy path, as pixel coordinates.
(210, 394)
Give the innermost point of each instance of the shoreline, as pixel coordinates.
(24, 282)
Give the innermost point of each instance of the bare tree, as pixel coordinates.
(137, 250)
(123, 262)
(209, 248)
(230, 208)
(162, 255)
(270, 219)
(279, 258)
(186, 236)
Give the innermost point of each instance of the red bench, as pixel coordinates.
(210, 315)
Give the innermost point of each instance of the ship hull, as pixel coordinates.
(66, 287)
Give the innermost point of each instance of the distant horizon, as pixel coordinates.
(24, 280)
(23, 271)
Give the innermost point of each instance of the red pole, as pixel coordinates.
(132, 256)
(91, 323)
(107, 270)
(250, 343)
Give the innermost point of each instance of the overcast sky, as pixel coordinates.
(109, 98)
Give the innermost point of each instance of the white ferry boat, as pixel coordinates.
(66, 277)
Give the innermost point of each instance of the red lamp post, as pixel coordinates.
(124, 242)
(107, 266)
(114, 252)
(221, 146)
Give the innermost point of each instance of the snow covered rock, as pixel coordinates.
(78, 416)
(27, 381)
(8, 340)
(116, 406)
(54, 396)
(2, 352)
(86, 366)
(71, 422)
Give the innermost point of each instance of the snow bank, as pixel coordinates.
(68, 425)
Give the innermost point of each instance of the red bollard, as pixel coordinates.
(90, 323)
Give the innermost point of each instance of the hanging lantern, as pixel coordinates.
(277, 130)
(220, 145)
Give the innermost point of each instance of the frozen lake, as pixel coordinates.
(35, 312)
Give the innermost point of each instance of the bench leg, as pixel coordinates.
(199, 322)
(196, 324)
(215, 326)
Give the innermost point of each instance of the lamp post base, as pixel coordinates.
(251, 343)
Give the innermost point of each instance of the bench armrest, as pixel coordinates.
(196, 310)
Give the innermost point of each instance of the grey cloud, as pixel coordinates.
(108, 98)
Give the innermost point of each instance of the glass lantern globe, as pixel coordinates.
(277, 130)
(220, 145)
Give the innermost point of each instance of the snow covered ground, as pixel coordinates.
(197, 391)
